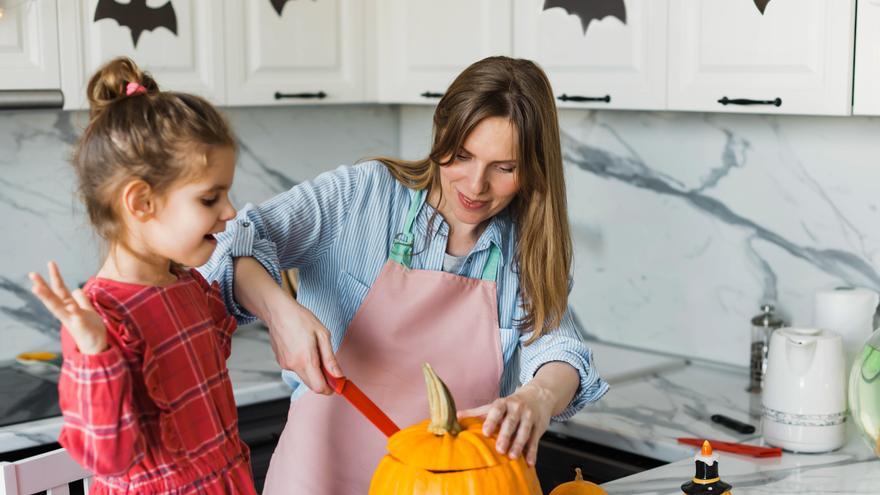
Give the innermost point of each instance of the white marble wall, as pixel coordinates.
(43, 219)
(684, 223)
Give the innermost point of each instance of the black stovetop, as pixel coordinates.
(25, 397)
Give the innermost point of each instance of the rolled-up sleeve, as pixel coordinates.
(564, 344)
(290, 230)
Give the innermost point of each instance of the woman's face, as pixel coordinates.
(481, 179)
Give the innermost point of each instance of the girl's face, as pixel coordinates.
(189, 214)
(481, 180)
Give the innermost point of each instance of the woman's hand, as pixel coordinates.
(74, 310)
(522, 417)
(302, 344)
(300, 341)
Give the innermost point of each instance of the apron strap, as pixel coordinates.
(402, 247)
(490, 271)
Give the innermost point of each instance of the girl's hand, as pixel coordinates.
(302, 343)
(75, 311)
(523, 418)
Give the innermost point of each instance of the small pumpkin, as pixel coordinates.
(443, 455)
(578, 486)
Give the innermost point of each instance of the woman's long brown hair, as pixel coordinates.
(517, 90)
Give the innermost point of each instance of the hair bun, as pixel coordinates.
(109, 83)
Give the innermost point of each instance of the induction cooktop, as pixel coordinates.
(25, 397)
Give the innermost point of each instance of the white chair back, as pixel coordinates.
(51, 471)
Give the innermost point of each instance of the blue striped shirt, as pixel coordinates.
(337, 230)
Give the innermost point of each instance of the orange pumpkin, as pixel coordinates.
(444, 456)
(578, 486)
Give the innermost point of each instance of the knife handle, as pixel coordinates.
(738, 426)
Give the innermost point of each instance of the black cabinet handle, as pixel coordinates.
(576, 98)
(745, 101)
(429, 94)
(319, 95)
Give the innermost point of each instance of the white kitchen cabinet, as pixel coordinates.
(424, 44)
(613, 65)
(312, 51)
(866, 86)
(29, 45)
(190, 60)
(795, 58)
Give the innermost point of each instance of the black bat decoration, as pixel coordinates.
(762, 4)
(278, 5)
(590, 10)
(137, 17)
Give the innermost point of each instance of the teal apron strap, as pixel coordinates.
(402, 247)
(490, 271)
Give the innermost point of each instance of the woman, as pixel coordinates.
(409, 262)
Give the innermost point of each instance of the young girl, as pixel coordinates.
(144, 388)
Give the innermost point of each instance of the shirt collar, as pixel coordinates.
(498, 232)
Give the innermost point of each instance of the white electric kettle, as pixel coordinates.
(804, 396)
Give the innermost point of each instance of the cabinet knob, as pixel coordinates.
(429, 94)
(319, 95)
(745, 101)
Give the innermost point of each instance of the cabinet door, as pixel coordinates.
(866, 97)
(617, 63)
(190, 60)
(29, 45)
(306, 50)
(424, 44)
(796, 57)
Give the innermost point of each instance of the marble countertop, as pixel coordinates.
(653, 401)
(647, 413)
(252, 368)
(852, 470)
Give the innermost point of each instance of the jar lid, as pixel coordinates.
(767, 318)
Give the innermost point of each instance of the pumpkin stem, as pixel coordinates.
(578, 476)
(441, 405)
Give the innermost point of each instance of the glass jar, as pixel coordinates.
(864, 391)
(762, 326)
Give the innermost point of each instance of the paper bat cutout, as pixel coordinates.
(137, 17)
(762, 4)
(590, 10)
(278, 5)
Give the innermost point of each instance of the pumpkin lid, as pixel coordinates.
(443, 443)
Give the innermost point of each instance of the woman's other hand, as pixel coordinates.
(302, 343)
(522, 417)
(74, 310)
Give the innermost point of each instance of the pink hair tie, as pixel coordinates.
(134, 88)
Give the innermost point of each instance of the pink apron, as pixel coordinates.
(407, 318)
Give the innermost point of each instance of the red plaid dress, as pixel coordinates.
(154, 413)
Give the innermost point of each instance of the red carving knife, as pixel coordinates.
(346, 388)
(735, 448)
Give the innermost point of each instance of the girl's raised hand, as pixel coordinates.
(73, 310)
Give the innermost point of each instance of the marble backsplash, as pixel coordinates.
(44, 220)
(684, 223)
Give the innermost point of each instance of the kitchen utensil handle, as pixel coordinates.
(738, 426)
(580, 99)
(319, 95)
(745, 101)
(735, 448)
(431, 94)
